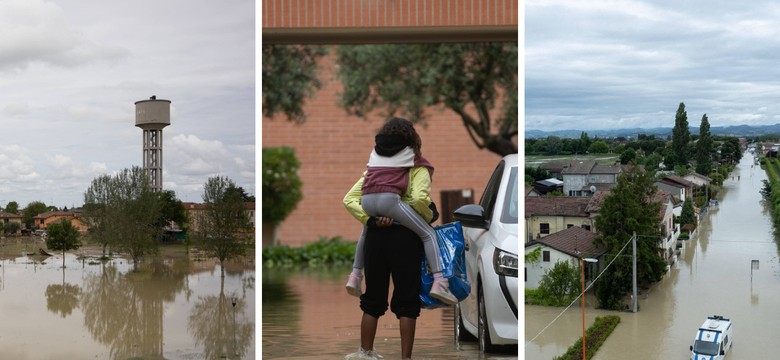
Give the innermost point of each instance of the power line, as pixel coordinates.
(578, 296)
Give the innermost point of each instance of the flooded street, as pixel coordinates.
(170, 308)
(711, 277)
(307, 314)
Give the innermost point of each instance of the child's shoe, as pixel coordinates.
(441, 291)
(353, 284)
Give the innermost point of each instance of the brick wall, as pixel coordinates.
(333, 149)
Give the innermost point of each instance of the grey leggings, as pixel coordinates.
(390, 205)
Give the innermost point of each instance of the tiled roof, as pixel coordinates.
(595, 201)
(580, 167)
(574, 241)
(556, 205)
(605, 169)
(7, 215)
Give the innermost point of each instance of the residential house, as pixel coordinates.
(583, 178)
(43, 220)
(679, 192)
(669, 231)
(195, 211)
(698, 179)
(554, 168)
(546, 215)
(7, 218)
(567, 245)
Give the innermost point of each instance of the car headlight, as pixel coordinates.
(505, 263)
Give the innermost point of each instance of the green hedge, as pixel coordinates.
(596, 334)
(334, 251)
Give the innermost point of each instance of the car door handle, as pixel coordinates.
(466, 246)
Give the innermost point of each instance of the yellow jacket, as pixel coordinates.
(417, 195)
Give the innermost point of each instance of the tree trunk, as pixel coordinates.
(270, 234)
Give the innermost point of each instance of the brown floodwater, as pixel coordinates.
(711, 277)
(307, 314)
(170, 308)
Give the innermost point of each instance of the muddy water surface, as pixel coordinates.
(307, 314)
(712, 276)
(166, 309)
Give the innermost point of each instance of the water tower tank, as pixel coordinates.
(152, 116)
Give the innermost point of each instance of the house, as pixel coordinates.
(676, 185)
(698, 179)
(554, 168)
(7, 218)
(195, 212)
(669, 231)
(546, 215)
(43, 220)
(548, 185)
(583, 178)
(567, 245)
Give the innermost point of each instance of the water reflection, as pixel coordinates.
(109, 311)
(212, 323)
(62, 298)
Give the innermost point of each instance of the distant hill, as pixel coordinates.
(737, 130)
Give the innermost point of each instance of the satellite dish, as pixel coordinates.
(593, 189)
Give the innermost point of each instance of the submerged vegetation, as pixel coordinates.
(334, 251)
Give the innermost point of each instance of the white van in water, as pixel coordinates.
(713, 340)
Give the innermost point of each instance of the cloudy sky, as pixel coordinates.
(603, 64)
(71, 71)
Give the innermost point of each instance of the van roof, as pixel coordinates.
(715, 324)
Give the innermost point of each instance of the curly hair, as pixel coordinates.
(405, 129)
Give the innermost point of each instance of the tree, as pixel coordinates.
(467, 78)
(62, 236)
(281, 184)
(223, 222)
(680, 137)
(598, 147)
(687, 215)
(289, 77)
(560, 284)
(32, 210)
(584, 142)
(10, 228)
(171, 210)
(627, 210)
(627, 156)
(12, 207)
(704, 148)
(125, 211)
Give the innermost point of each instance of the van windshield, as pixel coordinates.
(705, 347)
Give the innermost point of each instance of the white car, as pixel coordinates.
(490, 229)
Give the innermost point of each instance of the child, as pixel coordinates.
(397, 152)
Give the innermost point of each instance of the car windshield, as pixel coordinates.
(705, 347)
(509, 213)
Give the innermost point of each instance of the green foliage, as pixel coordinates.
(688, 215)
(12, 207)
(289, 78)
(681, 137)
(409, 78)
(62, 237)
(704, 148)
(123, 211)
(10, 228)
(627, 156)
(223, 224)
(334, 251)
(595, 335)
(598, 147)
(281, 184)
(533, 256)
(629, 208)
(171, 210)
(559, 285)
(535, 173)
(32, 210)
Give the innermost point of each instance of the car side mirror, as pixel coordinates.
(723, 352)
(471, 215)
(691, 347)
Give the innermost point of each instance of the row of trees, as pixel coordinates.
(125, 214)
(29, 213)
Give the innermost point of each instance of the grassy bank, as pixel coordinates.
(334, 251)
(596, 334)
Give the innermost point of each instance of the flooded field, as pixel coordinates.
(711, 277)
(306, 314)
(170, 308)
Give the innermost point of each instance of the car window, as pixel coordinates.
(509, 213)
(491, 190)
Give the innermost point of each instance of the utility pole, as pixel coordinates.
(635, 297)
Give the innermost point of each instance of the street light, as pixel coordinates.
(582, 272)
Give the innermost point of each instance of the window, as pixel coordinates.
(544, 228)
(569, 225)
(586, 227)
(546, 256)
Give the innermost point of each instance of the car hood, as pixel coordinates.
(506, 237)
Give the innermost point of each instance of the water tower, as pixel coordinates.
(152, 116)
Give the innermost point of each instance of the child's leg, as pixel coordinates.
(356, 276)
(390, 205)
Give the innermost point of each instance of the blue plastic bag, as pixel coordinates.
(451, 245)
